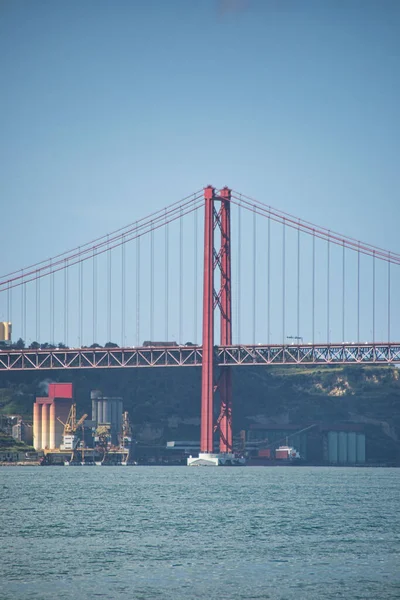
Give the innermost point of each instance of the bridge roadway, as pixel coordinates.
(191, 356)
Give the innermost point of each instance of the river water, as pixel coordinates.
(178, 533)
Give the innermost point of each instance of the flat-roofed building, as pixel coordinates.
(48, 411)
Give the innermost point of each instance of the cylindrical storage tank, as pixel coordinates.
(113, 420)
(97, 409)
(360, 448)
(52, 426)
(342, 447)
(119, 415)
(45, 426)
(332, 447)
(94, 410)
(37, 426)
(107, 410)
(114, 413)
(351, 447)
(95, 395)
(100, 411)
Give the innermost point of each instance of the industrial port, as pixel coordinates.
(64, 439)
(61, 435)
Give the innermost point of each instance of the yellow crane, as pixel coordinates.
(71, 425)
(70, 439)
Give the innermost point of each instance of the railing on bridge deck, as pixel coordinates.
(191, 356)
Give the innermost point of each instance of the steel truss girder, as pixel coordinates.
(191, 356)
(317, 354)
(99, 358)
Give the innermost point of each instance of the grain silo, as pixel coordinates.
(107, 410)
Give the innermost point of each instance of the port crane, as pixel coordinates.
(70, 439)
(71, 425)
(119, 454)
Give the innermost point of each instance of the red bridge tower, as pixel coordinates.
(216, 259)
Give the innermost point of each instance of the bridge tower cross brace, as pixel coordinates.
(216, 260)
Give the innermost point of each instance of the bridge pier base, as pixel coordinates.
(209, 459)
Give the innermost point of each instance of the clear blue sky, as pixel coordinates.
(112, 109)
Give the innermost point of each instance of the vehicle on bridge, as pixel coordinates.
(148, 344)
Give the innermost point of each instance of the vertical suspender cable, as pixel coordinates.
(109, 297)
(166, 269)
(38, 324)
(343, 289)
(65, 302)
(283, 279)
(181, 278)
(22, 310)
(298, 285)
(239, 272)
(138, 291)
(52, 310)
(254, 272)
(123, 291)
(388, 324)
(151, 282)
(81, 303)
(51, 305)
(328, 293)
(9, 303)
(25, 330)
(52, 283)
(313, 289)
(37, 308)
(358, 293)
(373, 297)
(269, 283)
(94, 296)
(64, 289)
(8, 300)
(195, 275)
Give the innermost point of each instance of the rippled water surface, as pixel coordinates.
(179, 533)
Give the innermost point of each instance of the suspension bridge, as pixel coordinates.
(287, 292)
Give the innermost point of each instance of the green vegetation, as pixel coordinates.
(8, 444)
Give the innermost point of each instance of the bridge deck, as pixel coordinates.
(191, 356)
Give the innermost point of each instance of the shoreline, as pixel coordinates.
(364, 466)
